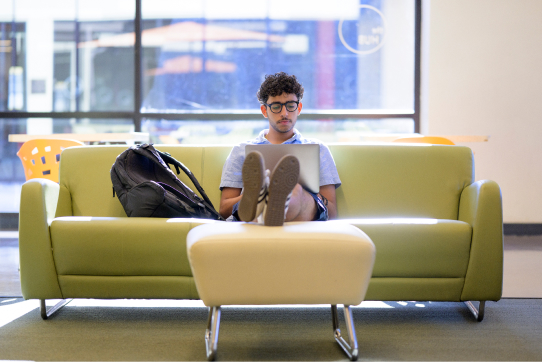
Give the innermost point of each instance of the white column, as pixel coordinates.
(39, 64)
(397, 62)
(39, 73)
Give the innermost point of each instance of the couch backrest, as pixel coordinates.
(401, 180)
(377, 180)
(85, 181)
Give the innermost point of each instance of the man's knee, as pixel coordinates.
(302, 205)
(297, 192)
(301, 197)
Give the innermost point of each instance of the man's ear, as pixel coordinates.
(299, 106)
(263, 108)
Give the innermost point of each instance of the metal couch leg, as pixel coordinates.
(47, 313)
(351, 349)
(211, 334)
(478, 313)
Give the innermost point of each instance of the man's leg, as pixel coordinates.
(302, 205)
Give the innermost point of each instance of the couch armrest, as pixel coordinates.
(38, 273)
(481, 206)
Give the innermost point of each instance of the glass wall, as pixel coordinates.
(204, 55)
(88, 76)
(78, 55)
(72, 66)
(51, 58)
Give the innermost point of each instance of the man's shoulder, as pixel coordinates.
(239, 149)
(313, 141)
(255, 141)
(310, 141)
(306, 140)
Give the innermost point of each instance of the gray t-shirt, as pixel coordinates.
(232, 170)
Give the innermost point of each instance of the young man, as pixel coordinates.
(280, 97)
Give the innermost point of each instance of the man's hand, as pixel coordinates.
(229, 197)
(328, 191)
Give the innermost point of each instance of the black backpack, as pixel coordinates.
(146, 186)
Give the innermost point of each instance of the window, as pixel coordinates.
(187, 71)
(213, 55)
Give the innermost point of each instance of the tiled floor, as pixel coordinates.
(522, 266)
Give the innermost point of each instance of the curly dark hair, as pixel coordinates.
(278, 83)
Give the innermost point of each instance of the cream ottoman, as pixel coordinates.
(298, 263)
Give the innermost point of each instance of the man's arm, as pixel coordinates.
(229, 197)
(328, 191)
(329, 177)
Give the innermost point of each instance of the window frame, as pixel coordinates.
(137, 116)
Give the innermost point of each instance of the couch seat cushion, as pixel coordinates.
(418, 248)
(123, 246)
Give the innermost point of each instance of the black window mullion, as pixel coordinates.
(417, 63)
(77, 59)
(138, 71)
(91, 114)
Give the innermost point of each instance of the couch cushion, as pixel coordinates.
(121, 246)
(412, 180)
(418, 248)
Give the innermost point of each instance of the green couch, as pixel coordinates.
(438, 234)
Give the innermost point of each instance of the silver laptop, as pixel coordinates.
(307, 154)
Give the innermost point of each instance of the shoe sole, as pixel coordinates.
(282, 182)
(253, 175)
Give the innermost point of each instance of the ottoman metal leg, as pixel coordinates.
(211, 334)
(351, 349)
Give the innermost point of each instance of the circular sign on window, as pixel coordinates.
(371, 31)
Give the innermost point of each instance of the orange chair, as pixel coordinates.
(434, 140)
(40, 157)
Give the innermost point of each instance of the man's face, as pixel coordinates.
(284, 121)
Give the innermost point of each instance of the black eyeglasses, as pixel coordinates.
(276, 107)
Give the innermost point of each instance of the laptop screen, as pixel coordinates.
(307, 154)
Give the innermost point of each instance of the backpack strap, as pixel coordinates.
(169, 160)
